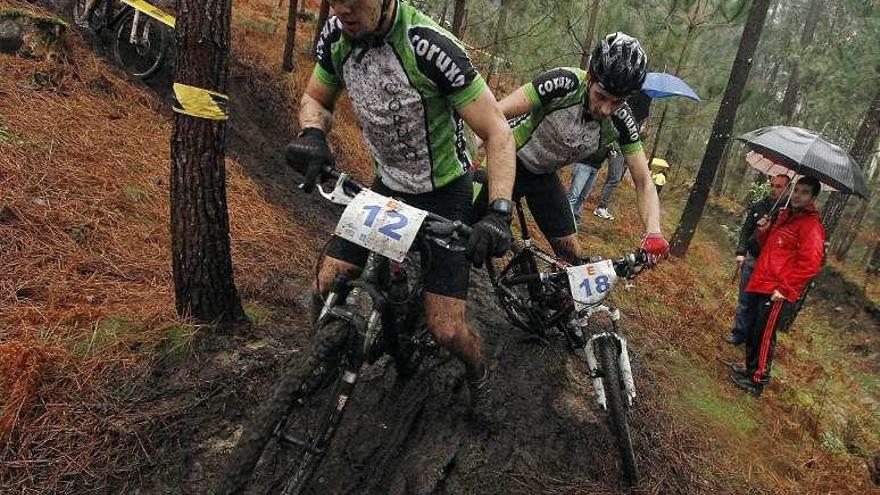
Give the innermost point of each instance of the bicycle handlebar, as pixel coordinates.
(627, 267)
(298, 158)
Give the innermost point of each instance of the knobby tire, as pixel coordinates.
(301, 380)
(617, 411)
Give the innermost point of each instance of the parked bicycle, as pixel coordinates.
(547, 297)
(380, 313)
(140, 39)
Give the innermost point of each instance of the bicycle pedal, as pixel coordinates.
(289, 440)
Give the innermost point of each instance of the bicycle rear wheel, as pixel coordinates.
(140, 53)
(608, 356)
(300, 382)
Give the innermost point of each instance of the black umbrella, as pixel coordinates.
(807, 153)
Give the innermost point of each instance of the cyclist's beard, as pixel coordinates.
(371, 39)
(586, 114)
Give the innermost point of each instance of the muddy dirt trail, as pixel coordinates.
(413, 437)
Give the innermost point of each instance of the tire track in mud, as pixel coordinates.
(542, 437)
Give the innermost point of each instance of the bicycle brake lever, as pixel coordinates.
(445, 229)
(336, 195)
(443, 233)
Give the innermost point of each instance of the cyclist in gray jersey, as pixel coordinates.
(413, 88)
(568, 113)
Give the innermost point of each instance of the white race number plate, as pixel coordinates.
(591, 283)
(380, 224)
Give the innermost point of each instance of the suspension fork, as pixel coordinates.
(145, 34)
(366, 330)
(132, 37)
(588, 353)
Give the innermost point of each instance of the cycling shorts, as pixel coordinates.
(546, 198)
(445, 272)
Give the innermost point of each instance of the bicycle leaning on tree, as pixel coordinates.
(142, 32)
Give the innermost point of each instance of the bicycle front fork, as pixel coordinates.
(132, 37)
(588, 353)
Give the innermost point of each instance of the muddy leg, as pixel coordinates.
(446, 321)
(567, 248)
(330, 269)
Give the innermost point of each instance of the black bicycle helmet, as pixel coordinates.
(619, 64)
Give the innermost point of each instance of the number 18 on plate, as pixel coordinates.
(591, 283)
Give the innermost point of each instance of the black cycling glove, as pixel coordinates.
(309, 154)
(490, 236)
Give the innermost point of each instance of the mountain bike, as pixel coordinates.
(140, 40)
(378, 315)
(549, 298)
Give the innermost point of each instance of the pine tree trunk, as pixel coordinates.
(718, 187)
(591, 32)
(498, 39)
(864, 143)
(742, 65)
(323, 14)
(201, 262)
(682, 56)
(287, 61)
(458, 18)
(873, 266)
(841, 248)
(443, 13)
(857, 222)
(789, 101)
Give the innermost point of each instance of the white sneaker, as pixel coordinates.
(603, 213)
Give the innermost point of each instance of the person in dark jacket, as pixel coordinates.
(792, 251)
(747, 253)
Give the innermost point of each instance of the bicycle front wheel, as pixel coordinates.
(303, 380)
(140, 47)
(609, 357)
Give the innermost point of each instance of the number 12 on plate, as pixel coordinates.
(380, 224)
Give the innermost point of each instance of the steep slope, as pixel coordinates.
(104, 389)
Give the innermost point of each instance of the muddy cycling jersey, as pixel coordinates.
(405, 90)
(559, 130)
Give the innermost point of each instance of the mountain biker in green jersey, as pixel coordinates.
(569, 113)
(413, 89)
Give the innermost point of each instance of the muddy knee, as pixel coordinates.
(444, 335)
(568, 248)
(330, 269)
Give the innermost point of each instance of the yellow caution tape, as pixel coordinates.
(152, 11)
(198, 102)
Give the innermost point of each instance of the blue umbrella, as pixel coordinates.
(661, 85)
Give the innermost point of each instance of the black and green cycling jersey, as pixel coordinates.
(560, 130)
(405, 91)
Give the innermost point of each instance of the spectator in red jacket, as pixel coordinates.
(791, 255)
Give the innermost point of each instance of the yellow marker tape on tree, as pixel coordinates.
(152, 11)
(198, 102)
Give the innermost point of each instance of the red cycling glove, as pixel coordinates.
(655, 246)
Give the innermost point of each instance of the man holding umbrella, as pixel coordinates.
(792, 250)
(747, 254)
